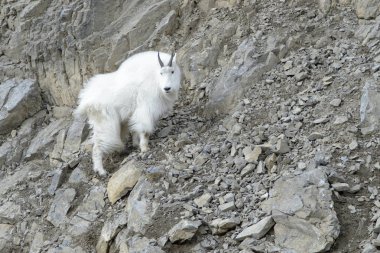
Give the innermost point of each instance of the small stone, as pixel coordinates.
(301, 165)
(352, 209)
(327, 80)
(376, 241)
(369, 248)
(340, 120)
(227, 206)
(162, 240)
(297, 110)
(221, 226)
(321, 120)
(247, 170)
(258, 230)
(355, 188)
(154, 173)
(336, 102)
(201, 159)
(288, 65)
(236, 129)
(184, 230)
(301, 76)
(376, 228)
(270, 161)
(123, 180)
(233, 151)
(353, 145)
(282, 146)
(203, 200)
(13, 133)
(260, 168)
(341, 187)
(229, 197)
(164, 132)
(252, 155)
(314, 136)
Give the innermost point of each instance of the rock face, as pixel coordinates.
(19, 100)
(302, 209)
(60, 59)
(41, 143)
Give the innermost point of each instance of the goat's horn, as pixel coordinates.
(171, 60)
(159, 60)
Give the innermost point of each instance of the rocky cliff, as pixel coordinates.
(273, 145)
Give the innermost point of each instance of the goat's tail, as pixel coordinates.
(106, 128)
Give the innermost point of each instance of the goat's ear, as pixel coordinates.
(175, 58)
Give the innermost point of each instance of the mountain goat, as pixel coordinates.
(130, 99)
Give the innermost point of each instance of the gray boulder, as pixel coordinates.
(19, 99)
(303, 211)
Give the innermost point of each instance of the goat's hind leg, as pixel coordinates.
(97, 159)
(144, 139)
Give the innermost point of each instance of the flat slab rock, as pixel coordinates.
(61, 204)
(184, 230)
(139, 244)
(258, 230)
(19, 99)
(302, 209)
(123, 180)
(140, 208)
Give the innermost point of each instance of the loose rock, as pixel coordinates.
(61, 204)
(123, 180)
(183, 231)
(257, 230)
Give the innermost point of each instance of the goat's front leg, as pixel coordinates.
(135, 140)
(144, 139)
(124, 132)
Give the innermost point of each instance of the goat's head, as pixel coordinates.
(169, 75)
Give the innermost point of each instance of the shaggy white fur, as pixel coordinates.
(134, 97)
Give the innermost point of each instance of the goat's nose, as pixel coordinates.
(167, 88)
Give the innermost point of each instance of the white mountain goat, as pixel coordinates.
(132, 98)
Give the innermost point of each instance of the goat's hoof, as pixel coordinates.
(144, 149)
(101, 172)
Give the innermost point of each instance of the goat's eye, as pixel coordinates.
(160, 73)
(172, 71)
